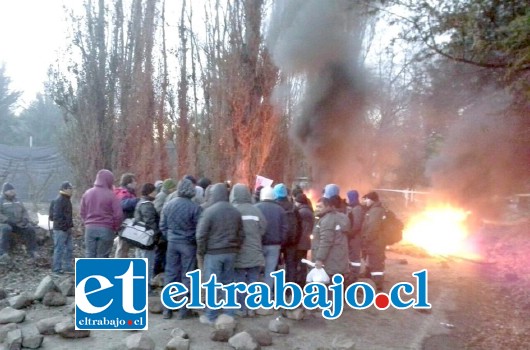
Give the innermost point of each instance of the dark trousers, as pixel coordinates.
(6, 237)
(160, 257)
(180, 259)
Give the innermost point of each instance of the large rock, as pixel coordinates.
(296, 314)
(21, 301)
(6, 329)
(46, 285)
(31, 337)
(221, 335)
(14, 339)
(225, 322)
(178, 343)
(53, 298)
(67, 287)
(342, 343)
(139, 341)
(264, 312)
(262, 336)
(278, 326)
(10, 315)
(158, 281)
(243, 341)
(155, 305)
(178, 332)
(66, 329)
(46, 326)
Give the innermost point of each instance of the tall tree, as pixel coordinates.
(8, 100)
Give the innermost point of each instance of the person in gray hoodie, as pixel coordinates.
(219, 238)
(178, 225)
(249, 260)
(102, 215)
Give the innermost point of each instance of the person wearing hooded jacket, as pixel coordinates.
(373, 246)
(275, 234)
(102, 215)
(126, 193)
(62, 230)
(178, 224)
(249, 259)
(330, 245)
(219, 238)
(14, 219)
(145, 212)
(356, 215)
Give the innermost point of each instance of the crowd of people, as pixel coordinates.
(232, 232)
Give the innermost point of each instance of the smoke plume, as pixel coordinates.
(320, 42)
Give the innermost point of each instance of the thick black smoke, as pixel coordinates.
(320, 41)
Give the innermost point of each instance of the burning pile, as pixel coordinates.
(441, 230)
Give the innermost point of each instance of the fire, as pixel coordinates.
(313, 196)
(440, 230)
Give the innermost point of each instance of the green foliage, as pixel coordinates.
(42, 120)
(8, 101)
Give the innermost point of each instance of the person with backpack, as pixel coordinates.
(145, 212)
(372, 240)
(126, 193)
(289, 248)
(61, 215)
(355, 212)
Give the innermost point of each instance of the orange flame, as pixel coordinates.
(440, 230)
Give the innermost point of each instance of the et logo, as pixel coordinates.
(111, 294)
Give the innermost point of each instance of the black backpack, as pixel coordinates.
(295, 226)
(391, 228)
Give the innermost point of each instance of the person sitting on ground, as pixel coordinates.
(14, 219)
(63, 246)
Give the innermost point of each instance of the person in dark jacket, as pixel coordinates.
(330, 245)
(372, 244)
(62, 231)
(145, 212)
(307, 218)
(219, 238)
(249, 260)
(168, 186)
(355, 213)
(289, 248)
(102, 215)
(275, 234)
(178, 224)
(126, 193)
(14, 219)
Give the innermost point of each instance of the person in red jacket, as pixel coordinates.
(102, 215)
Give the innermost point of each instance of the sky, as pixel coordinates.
(31, 34)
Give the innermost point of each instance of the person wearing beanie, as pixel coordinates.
(178, 224)
(355, 213)
(331, 190)
(275, 233)
(371, 241)
(330, 244)
(168, 187)
(307, 217)
(14, 219)
(126, 193)
(289, 248)
(102, 214)
(145, 212)
(61, 210)
(158, 185)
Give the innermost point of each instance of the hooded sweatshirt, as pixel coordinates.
(220, 229)
(99, 205)
(180, 215)
(254, 225)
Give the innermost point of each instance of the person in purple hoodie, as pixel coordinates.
(102, 215)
